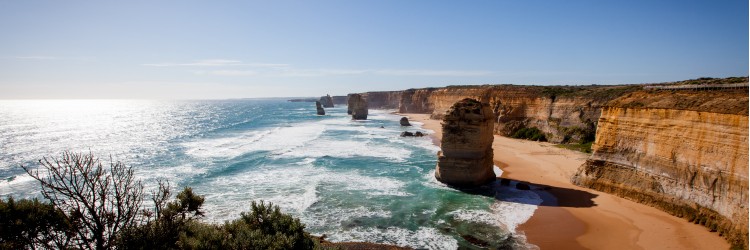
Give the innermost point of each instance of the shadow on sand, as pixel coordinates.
(551, 195)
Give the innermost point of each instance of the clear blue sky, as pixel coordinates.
(232, 49)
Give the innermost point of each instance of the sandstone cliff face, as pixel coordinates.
(685, 152)
(466, 153)
(416, 101)
(564, 114)
(357, 107)
(383, 99)
(326, 101)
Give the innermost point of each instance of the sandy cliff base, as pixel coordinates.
(572, 217)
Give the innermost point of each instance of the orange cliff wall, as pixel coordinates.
(684, 152)
(564, 114)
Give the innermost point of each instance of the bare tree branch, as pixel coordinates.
(100, 200)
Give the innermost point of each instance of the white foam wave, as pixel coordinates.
(422, 238)
(281, 138)
(293, 188)
(338, 215)
(17, 182)
(515, 207)
(348, 149)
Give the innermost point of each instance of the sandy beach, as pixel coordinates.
(573, 217)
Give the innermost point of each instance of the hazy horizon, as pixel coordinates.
(233, 49)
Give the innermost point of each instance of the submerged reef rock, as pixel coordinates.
(326, 101)
(357, 107)
(466, 154)
(320, 109)
(410, 134)
(404, 121)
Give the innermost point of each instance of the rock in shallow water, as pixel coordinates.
(357, 107)
(320, 109)
(404, 121)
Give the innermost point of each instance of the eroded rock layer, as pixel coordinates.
(465, 156)
(685, 152)
(564, 114)
(357, 107)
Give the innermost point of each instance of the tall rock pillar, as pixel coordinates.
(320, 109)
(357, 107)
(465, 157)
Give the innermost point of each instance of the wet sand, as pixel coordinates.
(573, 217)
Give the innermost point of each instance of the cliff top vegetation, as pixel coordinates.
(715, 101)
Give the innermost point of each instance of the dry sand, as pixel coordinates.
(573, 217)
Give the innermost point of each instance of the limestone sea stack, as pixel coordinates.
(465, 156)
(404, 121)
(357, 107)
(320, 109)
(326, 101)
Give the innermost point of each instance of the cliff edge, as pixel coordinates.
(685, 152)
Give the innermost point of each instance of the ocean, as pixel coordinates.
(350, 180)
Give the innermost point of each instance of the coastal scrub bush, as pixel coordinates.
(532, 133)
(264, 227)
(93, 207)
(99, 201)
(166, 222)
(30, 224)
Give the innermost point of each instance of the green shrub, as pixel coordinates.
(30, 224)
(264, 227)
(532, 133)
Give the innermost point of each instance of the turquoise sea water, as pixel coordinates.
(350, 180)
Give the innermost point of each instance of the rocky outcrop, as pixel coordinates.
(465, 158)
(683, 152)
(357, 107)
(326, 101)
(404, 122)
(320, 109)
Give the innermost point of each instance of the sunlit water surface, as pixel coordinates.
(350, 180)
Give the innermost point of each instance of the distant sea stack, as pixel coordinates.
(326, 101)
(465, 158)
(357, 107)
(320, 109)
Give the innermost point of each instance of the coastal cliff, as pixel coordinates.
(685, 152)
(564, 114)
(681, 146)
(383, 99)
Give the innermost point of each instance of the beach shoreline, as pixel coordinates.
(573, 217)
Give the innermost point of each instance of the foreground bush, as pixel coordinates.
(93, 207)
(265, 227)
(31, 223)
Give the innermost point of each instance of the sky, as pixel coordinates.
(248, 49)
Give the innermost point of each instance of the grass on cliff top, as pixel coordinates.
(709, 80)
